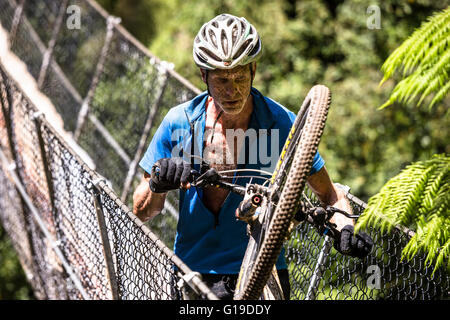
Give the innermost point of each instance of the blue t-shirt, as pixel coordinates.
(205, 244)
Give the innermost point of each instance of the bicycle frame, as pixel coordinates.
(256, 198)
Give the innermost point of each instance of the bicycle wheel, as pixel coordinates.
(289, 178)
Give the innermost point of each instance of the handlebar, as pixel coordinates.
(320, 217)
(317, 216)
(211, 178)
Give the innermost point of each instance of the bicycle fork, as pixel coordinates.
(247, 211)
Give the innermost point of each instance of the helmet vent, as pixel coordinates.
(210, 54)
(255, 49)
(242, 49)
(213, 38)
(199, 57)
(223, 39)
(234, 34)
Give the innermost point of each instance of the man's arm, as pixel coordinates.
(321, 184)
(347, 242)
(147, 204)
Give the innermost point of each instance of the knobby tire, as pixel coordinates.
(293, 170)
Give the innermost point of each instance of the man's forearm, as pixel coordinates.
(331, 195)
(147, 204)
(341, 202)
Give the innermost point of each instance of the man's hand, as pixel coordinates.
(356, 245)
(169, 174)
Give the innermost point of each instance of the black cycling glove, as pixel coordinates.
(168, 174)
(349, 244)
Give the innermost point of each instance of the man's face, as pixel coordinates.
(230, 88)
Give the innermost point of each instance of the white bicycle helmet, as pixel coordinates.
(226, 42)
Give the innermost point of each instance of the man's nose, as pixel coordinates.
(231, 87)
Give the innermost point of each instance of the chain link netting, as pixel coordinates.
(74, 206)
(109, 90)
(40, 264)
(318, 271)
(111, 93)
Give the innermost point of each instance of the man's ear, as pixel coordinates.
(203, 74)
(253, 66)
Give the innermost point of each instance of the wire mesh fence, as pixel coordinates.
(318, 271)
(111, 93)
(109, 90)
(75, 238)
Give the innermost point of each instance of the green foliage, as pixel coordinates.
(138, 16)
(425, 60)
(13, 284)
(419, 197)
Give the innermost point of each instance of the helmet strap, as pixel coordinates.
(206, 81)
(251, 75)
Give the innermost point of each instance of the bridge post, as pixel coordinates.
(46, 60)
(107, 253)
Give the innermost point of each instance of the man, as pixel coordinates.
(209, 238)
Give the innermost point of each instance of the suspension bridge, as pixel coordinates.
(78, 108)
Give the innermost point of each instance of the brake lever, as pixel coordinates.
(210, 176)
(193, 177)
(334, 210)
(320, 218)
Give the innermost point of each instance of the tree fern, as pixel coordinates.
(419, 197)
(424, 60)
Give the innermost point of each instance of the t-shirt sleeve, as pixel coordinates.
(318, 163)
(160, 146)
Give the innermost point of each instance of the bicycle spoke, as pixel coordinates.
(255, 177)
(242, 170)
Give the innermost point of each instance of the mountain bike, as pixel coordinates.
(270, 207)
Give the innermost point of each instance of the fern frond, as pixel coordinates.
(431, 238)
(419, 196)
(439, 180)
(440, 95)
(432, 33)
(410, 191)
(424, 60)
(375, 215)
(409, 54)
